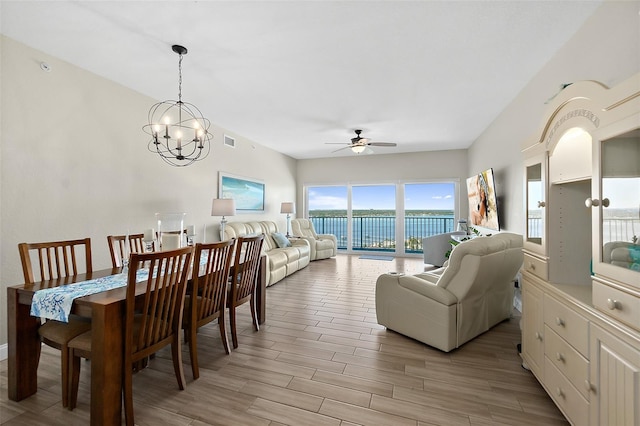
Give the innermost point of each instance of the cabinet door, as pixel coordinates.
(615, 380)
(532, 328)
(616, 204)
(535, 204)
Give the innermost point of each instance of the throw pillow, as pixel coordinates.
(281, 240)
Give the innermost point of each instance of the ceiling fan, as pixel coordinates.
(359, 144)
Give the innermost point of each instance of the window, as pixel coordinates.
(375, 217)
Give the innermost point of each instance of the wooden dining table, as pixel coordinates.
(106, 310)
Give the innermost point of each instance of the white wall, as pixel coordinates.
(74, 163)
(605, 49)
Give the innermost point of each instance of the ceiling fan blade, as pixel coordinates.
(382, 144)
(340, 149)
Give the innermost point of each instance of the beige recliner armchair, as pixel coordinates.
(323, 246)
(448, 307)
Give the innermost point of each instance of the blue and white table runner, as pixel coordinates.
(55, 303)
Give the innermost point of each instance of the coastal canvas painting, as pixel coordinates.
(248, 193)
(483, 203)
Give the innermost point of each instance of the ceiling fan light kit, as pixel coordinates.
(358, 149)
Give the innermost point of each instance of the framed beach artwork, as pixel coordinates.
(248, 193)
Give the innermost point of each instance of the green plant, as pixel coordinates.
(454, 243)
(634, 239)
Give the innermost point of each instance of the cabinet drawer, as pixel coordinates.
(572, 404)
(569, 325)
(536, 266)
(568, 360)
(617, 304)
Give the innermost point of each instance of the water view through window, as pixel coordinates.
(374, 217)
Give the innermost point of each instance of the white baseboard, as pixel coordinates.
(4, 352)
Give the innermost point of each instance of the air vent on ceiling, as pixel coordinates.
(229, 141)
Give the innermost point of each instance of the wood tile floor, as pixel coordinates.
(319, 359)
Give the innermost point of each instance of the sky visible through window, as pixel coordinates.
(418, 196)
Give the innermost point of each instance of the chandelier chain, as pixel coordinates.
(180, 80)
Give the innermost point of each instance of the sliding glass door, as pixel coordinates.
(391, 218)
(373, 217)
(327, 208)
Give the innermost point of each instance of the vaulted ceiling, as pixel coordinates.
(294, 75)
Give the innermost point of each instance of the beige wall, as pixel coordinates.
(74, 163)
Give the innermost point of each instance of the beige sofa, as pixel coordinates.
(452, 305)
(281, 262)
(323, 246)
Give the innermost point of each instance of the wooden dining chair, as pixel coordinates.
(118, 245)
(152, 321)
(244, 279)
(206, 297)
(58, 260)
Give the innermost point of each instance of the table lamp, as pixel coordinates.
(288, 208)
(223, 207)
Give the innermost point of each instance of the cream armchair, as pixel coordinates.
(622, 253)
(435, 247)
(323, 246)
(470, 295)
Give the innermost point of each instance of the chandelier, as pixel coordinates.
(179, 132)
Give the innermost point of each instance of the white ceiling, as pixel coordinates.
(293, 75)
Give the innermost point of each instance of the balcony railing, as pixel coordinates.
(613, 229)
(378, 233)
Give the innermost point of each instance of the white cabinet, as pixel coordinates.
(532, 328)
(555, 337)
(615, 203)
(535, 177)
(615, 372)
(581, 272)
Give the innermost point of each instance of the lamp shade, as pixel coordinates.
(223, 207)
(288, 207)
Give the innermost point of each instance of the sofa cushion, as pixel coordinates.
(277, 258)
(281, 240)
(325, 245)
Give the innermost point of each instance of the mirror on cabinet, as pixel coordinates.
(535, 203)
(620, 189)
